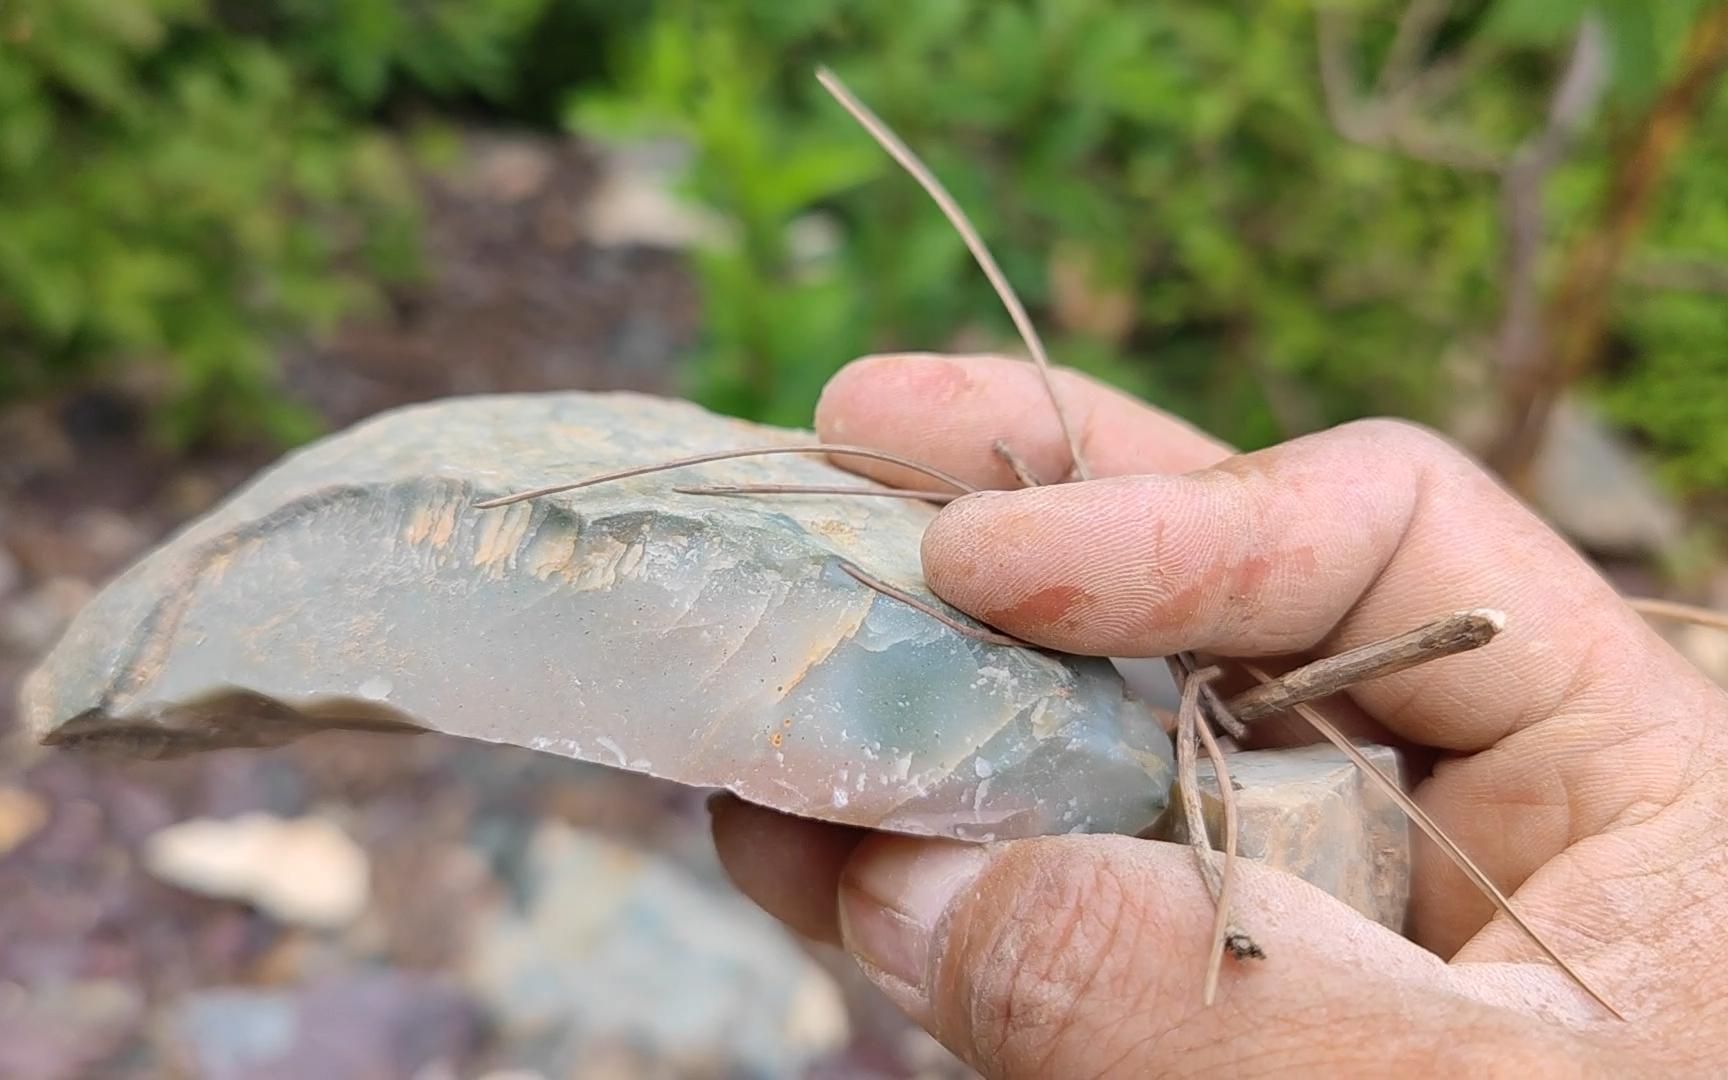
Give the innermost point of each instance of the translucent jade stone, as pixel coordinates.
(711, 640)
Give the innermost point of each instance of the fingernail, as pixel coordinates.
(892, 900)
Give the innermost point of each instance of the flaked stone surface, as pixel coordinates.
(1310, 812)
(710, 640)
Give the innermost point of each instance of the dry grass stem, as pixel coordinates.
(728, 455)
(1016, 464)
(938, 497)
(1225, 935)
(1454, 634)
(1192, 733)
(1433, 831)
(1188, 782)
(976, 633)
(974, 243)
(1673, 609)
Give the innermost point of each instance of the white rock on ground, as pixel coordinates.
(303, 871)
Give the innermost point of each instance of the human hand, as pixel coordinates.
(1579, 760)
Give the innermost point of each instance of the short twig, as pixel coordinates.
(1449, 636)
(726, 455)
(817, 489)
(976, 633)
(1219, 711)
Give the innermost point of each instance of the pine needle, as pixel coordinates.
(1673, 609)
(976, 633)
(726, 455)
(1222, 930)
(816, 489)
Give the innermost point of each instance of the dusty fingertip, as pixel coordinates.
(981, 509)
(960, 520)
(852, 389)
(969, 544)
(882, 381)
(972, 502)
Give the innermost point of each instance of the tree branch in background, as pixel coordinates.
(1417, 28)
(1388, 123)
(1577, 316)
(1679, 273)
(1523, 338)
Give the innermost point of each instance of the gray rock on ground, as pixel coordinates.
(362, 1023)
(1596, 489)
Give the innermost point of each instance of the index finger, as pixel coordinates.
(948, 411)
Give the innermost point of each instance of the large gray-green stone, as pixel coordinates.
(711, 640)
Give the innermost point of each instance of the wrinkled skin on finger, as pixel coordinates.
(1579, 760)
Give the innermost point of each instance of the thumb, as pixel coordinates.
(1084, 956)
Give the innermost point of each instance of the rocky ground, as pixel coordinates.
(372, 906)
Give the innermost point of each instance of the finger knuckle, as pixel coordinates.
(1405, 438)
(1050, 974)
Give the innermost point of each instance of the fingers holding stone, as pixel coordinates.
(1334, 541)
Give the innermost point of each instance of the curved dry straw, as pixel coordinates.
(974, 243)
(1673, 609)
(727, 455)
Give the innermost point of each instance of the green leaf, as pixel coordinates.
(817, 170)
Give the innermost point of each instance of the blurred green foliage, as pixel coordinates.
(1163, 184)
(183, 183)
(1668, 375)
